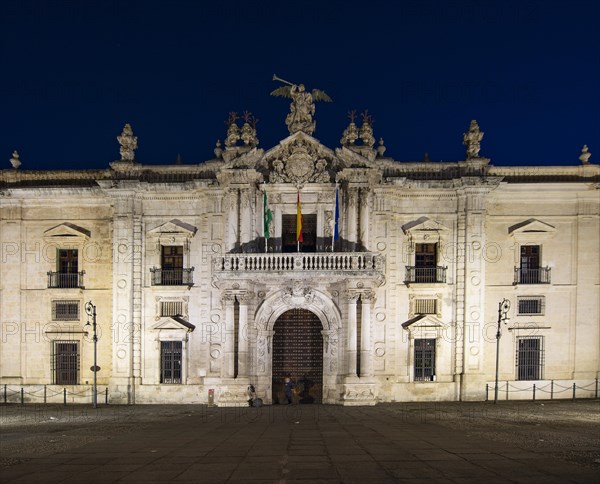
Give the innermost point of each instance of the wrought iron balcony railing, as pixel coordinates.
(300, 262)
(65, 280)
(540, 275)
(416, 274)
(172, 277)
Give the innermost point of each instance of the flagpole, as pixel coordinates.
(334, 221)
(264, 218)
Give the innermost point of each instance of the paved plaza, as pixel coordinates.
(431, 442)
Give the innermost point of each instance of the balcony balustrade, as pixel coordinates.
(65, 280)
(540, 275)
(416, 275)
(172, 277)
(354, 262)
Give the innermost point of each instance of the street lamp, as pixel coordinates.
(90, 309)
(503, 308)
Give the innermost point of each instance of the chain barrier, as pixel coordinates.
(535, 389)
(42, 394)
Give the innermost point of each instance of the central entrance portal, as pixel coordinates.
(298, 352)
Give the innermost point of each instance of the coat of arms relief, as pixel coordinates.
(298, 163)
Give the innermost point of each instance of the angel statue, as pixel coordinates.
(302, 108)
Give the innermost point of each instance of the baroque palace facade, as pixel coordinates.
(192, 298)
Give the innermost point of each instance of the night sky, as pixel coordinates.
(74, 72)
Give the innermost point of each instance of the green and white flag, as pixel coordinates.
(268, 216)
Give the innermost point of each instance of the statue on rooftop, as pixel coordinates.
(302, 108)
(472, 140)
(128, 143)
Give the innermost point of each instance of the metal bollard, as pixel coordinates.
(22, 401)
(574, 389)
(534, 392)
(65, 396)
(551, 389)
(211, 397)
(487, 390)
(44, 393)
(5, 391)
(106, 396)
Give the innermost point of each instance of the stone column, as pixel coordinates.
(351, 340)
(352, 217)
(232, 220)
(246, 218)
(243, 335)
(365, 335)
(364, 218)
(228, 367)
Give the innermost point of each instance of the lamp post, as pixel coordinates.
(503, 308)
(90, 309)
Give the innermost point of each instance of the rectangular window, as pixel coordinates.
(172, 265)
(171, 308)
(530, 264)
(309, 233)
(425, 306)
(530, 358)
(531, 305)
(65, 310)
(425, 255)
(170, 361)
(424, 359)
(65, 363)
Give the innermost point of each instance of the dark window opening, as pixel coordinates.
(309, 233)
(530, 359)
(170, 361)
(65, 363)
(424, 359)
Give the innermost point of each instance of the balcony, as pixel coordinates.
(330, 262)
(417, 275)
(65, 280)
(541, 275)
(172, 277)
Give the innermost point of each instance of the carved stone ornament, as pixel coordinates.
(128, 143)
(298, 295)
(584, 157)
(299, 163)
(14, 161)
(472, 140)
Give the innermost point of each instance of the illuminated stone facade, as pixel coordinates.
(187, 298)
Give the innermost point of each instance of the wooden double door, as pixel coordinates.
(298, 353)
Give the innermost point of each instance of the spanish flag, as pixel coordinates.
(299, 221)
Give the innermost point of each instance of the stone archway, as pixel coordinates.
(298, 295)
(298, 353)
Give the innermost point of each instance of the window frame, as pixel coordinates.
(536, 369)
(65, 362)
(424, 350)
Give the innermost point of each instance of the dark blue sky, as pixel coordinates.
(73, 72)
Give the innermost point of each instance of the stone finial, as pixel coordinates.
(366, 130)
(584, 157)
(381, 148)
(218, 150)
(128, 143)
(350, 134)
(233, 131)
(472, 140)
(15, 161)
(248, 132)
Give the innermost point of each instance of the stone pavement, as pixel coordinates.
(282, 444)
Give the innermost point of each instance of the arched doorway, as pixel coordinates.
(298, 351)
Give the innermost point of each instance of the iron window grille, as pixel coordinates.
(424, 359)
(171, 308)
(531, 305)
(65, 363)
(530, 358)
(65, 310)
(170, 361)
(425, 306)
